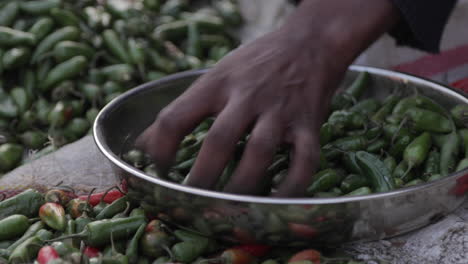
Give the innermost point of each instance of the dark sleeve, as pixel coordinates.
(422, 23)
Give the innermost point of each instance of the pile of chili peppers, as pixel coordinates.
(368, 145)
(61, 227)
(63, 60)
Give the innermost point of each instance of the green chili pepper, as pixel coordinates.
(91, 91)
(155, 75)
(118, 72)
(21, 98)
(65, 33)
(209, 41)
(33, 139)
(65, 70)
(397, 149)
(394, 132)
(390, 162)
(326, 134)
(402, 172)
(8, 14)
(13, 226)
(350, 163)
(31, 231)
(98, 233)
(425, 120)
(154, 244)
(432, 164)
(353, 182)
(15, 57)
(335, 148)
(110, 87)
(434, 177)
(136, 52)
(360, 191)
(375, 171)
(82, 221)
(65, 50)
(386, 109)
(63, 249)
(112, 209)
(132, 250)
(229, 11)
(5, 244)
(76, 128)
(464, 140)
(172, 30)
(462, 164)
(448, 153)
(173, 7)
(193, 40)
(377, 146)
(43, 69)
(8, 108)
(91, 114)
(28, 250)
(161, 63)
(346, 120)
(416, 152)
(325, 180)
(188, 251)
(218, 52)
(345, 99)
(41, 28)
(366, 106)
(414, 182)
(30, 83)
(459, 114)
(39, 7)
(10, 37)
(65, 17)
(10, 156)
(57, 116)
(116, 47)
(20, 24)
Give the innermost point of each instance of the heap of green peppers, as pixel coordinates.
(59, 227)
(63, 60)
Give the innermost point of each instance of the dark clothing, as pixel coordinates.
(422, 24)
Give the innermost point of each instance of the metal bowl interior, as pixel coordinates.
(286, 221)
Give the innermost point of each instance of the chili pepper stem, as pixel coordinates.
(403, 122)
(78, 235)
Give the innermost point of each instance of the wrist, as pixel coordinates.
(340, 29)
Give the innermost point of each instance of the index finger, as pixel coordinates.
(162, 138)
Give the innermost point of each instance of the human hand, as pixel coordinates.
(278, 88)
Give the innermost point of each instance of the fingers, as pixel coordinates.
(219, 146)
(258, 155)
(304, 161)
(161, 140)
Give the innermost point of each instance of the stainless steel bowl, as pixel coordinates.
(274, 220)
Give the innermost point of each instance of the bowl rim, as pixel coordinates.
(396, 75)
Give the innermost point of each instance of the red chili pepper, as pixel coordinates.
(96, 198)
(461, 84)
(256, 250)
(236, 256)
(47, 254)
(91, 252)
(302, 230)
(242, 235)
(308, 254)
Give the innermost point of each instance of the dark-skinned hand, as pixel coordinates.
(277, 88)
